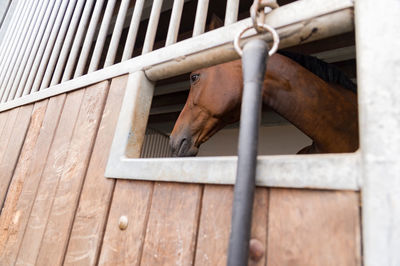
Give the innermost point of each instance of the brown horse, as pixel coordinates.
(314, 96)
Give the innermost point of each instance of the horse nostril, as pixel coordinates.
(176, 145)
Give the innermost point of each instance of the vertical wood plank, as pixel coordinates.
(36, 206)
(27, 181)
(7, 131)
(94, 203)
(129, 252)
(215, 220)
(172, 228)
(308, 227)
(259, 227)
(55, 239)
(13, 148)
(124, 247)
(10, 215)
(3, 120)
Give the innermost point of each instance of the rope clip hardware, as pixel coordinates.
(257, 14)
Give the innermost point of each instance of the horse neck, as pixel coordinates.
(326, 113)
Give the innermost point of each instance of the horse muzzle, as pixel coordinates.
(182, 146)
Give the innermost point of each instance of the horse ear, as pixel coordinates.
(215, 22)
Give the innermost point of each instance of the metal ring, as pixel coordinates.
(275, 36)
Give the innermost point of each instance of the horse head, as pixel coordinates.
(213, 102)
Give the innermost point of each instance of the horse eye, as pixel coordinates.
(194, 78)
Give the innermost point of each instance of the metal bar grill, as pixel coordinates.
(71, 43)
(173, 28)
(101, 39)
(33, 44)
(133, 30)
(13, 33)
(46, 48)
(66, 45)
(112, 50)
(14, 45)
(23, 47)
(77, 41)
(38, 49)
(152, 27)
(232, 10)
(88, 39)
(10, 29)
(201, 16)
(45, 82)
(155, 145)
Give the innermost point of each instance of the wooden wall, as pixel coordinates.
(57, 207)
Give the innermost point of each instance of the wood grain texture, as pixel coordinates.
(308, 227)
(214, 225)
(11, 216)
(259, 228)
(215, 220)
(124, 247)
(121, 248)
(3, 120)
(172, 228)
(90, 220)
(13, 148)
(65, 202)
(38, 208)
(7, 130)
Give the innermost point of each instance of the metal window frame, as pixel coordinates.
(300, 171)
(374, 169)
(328, 171)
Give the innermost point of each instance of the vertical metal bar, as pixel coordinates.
(255, 55)
(44, 53)
(6, 6)
(151, 144)
(133, 29)
(57, 46)
(38, 49)
(201, 17)
(232, 10)
(116, 35)
(30, 53)
(8, 37)
(101, 39)
(13, 44)
(88, 39)
(67, 43)
(174, 22)
(147, 147)
(378, 71)
(152, 27)
(16, 38)
(157, 148)
(79, 36)
(19, 49)
(10, 28)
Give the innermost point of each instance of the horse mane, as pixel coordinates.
(325, 71)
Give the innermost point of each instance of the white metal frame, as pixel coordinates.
(214, 47)
(206, 49)
(374, 169)
(378, 71)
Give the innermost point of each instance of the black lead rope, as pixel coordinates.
(254, 61)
